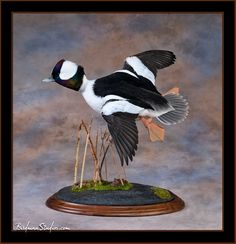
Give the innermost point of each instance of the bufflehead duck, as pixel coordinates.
(126, 95)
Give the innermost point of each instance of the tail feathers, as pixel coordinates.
(180, 112)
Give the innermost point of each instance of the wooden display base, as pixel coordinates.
(139, 201)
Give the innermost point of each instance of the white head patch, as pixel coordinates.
(68, 70)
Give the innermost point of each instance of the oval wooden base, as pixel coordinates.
(176, 204)
(98, 210)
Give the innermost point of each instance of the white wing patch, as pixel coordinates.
(126, 71)
(120, 106)
(140, 68)
(68, 70)
(125, 106)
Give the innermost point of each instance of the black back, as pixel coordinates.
(140, 92)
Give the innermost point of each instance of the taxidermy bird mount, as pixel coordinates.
(126, 95)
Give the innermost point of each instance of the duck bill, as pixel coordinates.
(49, 79)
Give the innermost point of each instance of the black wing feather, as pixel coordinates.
(124, 133)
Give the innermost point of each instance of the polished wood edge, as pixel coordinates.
(174, 205)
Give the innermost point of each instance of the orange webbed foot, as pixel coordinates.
(156, 132)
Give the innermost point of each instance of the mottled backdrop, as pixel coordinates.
(46, 116)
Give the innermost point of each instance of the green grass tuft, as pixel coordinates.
(101, 186)
(162, 193)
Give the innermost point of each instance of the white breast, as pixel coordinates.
(95, 102)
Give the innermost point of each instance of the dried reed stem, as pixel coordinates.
(102, 145)
(102, 138)
(106, 169)
(77, 155)
(106, 174)
(96, 143)
(93, 151)
(83, 163)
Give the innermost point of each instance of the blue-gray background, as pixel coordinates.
(46, 116)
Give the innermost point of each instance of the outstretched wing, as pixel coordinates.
(124, 133)
(146, 64)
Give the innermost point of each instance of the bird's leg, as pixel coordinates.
(123, 168)
(115, 163)
(103, 159)
(156, 132)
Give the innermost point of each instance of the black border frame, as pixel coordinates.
(9, 7)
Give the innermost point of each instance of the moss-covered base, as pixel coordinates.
(114, 193)
(102, 186)
(162, 193)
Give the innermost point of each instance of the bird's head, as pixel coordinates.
(68, 74)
